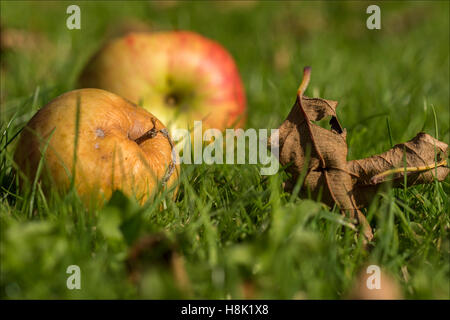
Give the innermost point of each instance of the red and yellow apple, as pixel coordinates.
(180, 76)
(119, 146)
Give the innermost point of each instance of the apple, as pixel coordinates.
(180, 76)
(119, 147)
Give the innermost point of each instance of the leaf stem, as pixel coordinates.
(305, 81)
(376, 179)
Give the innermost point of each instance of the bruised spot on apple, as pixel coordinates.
(180, 76)
(99, 133)
(119, 147)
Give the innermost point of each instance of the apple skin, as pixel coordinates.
(108, 156)
(180, 76)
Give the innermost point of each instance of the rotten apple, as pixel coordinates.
(101, 143)
(180, 76)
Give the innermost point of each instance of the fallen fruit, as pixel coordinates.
(180, 76)
(319, 156)
(99, 142)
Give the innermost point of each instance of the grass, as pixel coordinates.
(237, 234)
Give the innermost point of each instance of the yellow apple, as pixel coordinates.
(119, 146)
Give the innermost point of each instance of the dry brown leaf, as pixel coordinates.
(425, 159)
(350, 185)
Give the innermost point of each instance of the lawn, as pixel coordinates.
(232, 233)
